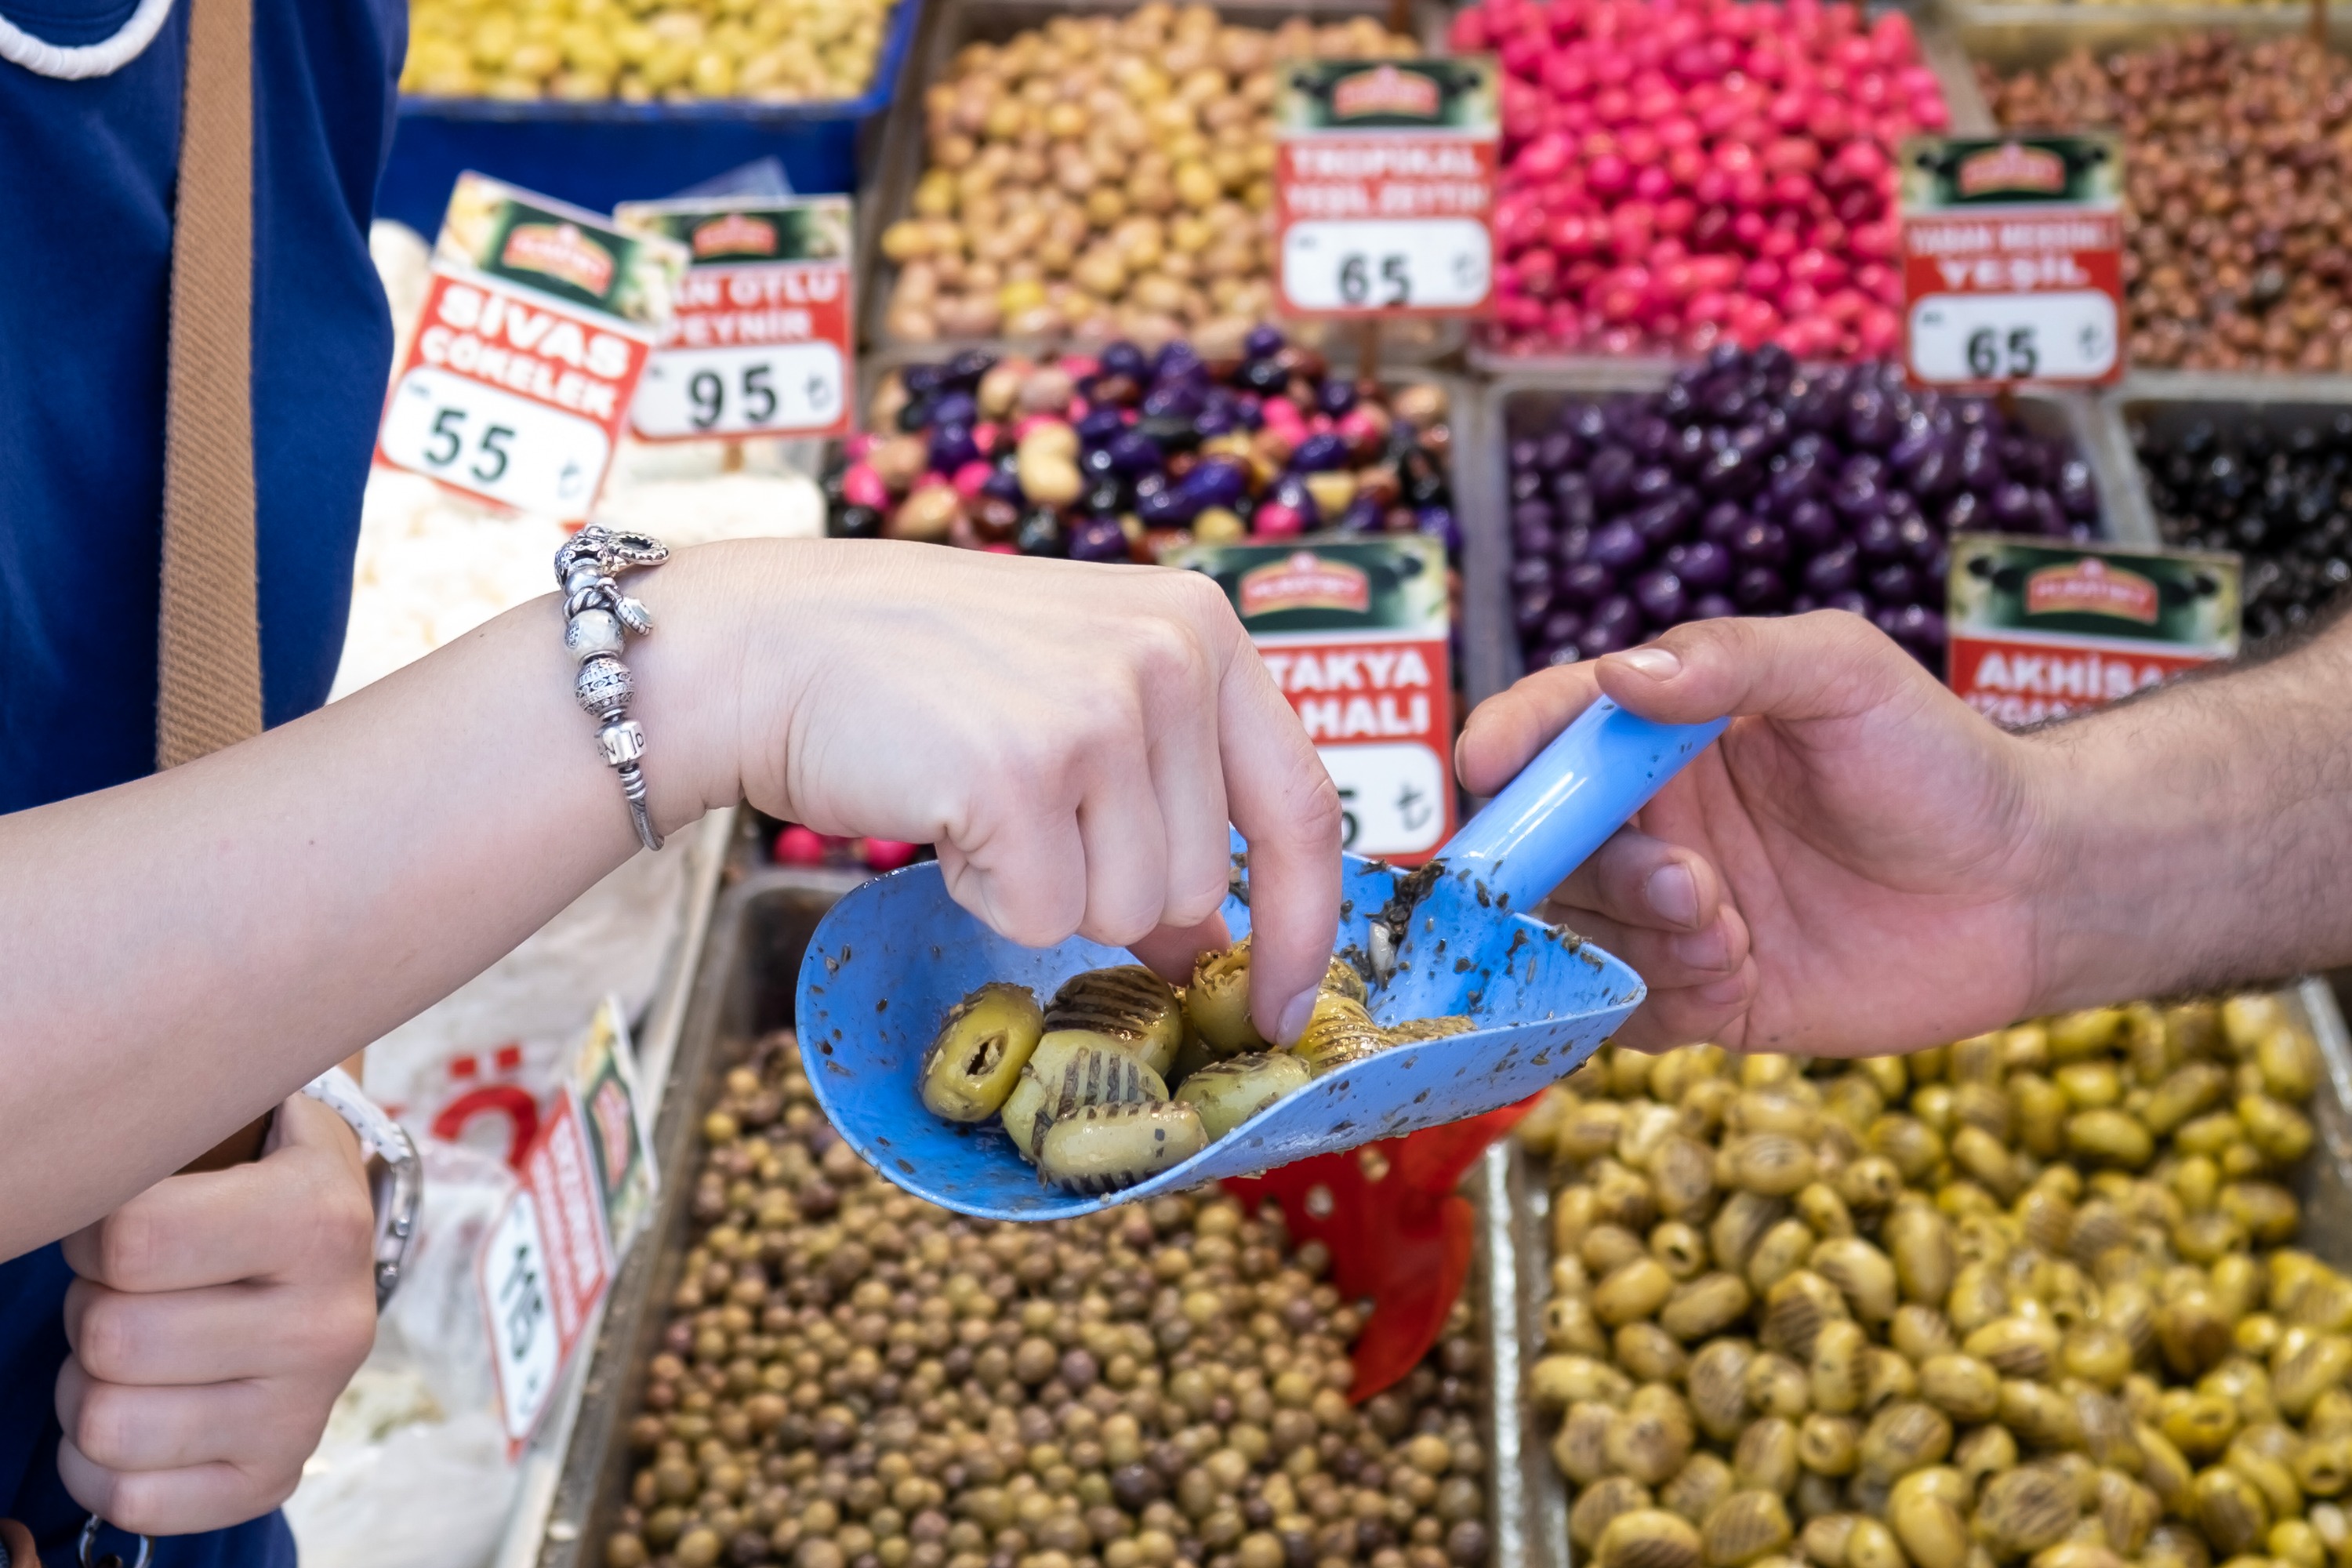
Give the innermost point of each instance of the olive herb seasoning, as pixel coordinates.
(1082, 1086)
(854, 1378)
(2023, 1298)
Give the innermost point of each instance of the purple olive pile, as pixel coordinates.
(850, 1377)
(1751, 486)
(1123, 455)
(2276, 495)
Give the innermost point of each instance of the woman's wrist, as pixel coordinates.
(697, 688)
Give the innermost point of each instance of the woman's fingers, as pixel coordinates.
(1287, 809)
(1172, 950)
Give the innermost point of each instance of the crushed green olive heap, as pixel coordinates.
(1122, 1076)
(854, 1378)
(2021, 1299)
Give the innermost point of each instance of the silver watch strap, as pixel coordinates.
(397, 1189)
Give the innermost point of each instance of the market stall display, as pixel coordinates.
(849, 1378)
(1103, 176)
(2036, 1294)
(2267, 479)
(1124, 454)
(1749, 484)
(2236, 167)
(1675, 176)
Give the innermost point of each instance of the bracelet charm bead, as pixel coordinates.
(597, 618)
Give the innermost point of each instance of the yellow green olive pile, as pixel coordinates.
(2026, 1299)
(776, 51)
(1104, 177)
(854, 1378)
(1121, 1076)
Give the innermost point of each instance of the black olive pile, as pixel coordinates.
(852, 1377)
(2280, 497)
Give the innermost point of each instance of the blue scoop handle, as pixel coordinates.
(1588, 782)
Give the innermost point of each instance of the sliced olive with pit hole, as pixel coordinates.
(982, 1047)
(1103, 1148)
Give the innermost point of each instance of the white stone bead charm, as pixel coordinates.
(593, 632)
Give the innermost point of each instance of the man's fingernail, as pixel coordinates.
(1673, 893)
(1294, 1016)
(1657, 663)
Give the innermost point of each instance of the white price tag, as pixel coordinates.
(2069, 335)
(768, 389)
(1392, 797)
(515, 450)
(1386, 264)
(525, 1348)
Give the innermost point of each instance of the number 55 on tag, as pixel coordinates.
(1384, 187)
(2012, 259)
(535, 328)
(761, 344)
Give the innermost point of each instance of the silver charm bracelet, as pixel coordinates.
(596, 615)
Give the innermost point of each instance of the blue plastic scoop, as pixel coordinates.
(896, 954)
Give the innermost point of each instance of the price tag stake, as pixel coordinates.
(2013, 261)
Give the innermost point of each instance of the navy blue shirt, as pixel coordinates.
(86, 179)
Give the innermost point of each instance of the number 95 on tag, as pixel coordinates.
(773, 389)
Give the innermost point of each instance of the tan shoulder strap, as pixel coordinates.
(208, 662)
(208, 632)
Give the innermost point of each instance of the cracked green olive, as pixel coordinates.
(1071, 1069)
(1129, 1002)
(1230, 1092)
(1101, 1148)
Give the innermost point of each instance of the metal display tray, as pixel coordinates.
(2169, 404)
(1942, 52)
(745, 987)
(1518, 1224)
(905, 154)
(1481, 484)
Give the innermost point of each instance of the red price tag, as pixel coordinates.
(545, 1269)
(1384, 188)
(2013, 261)
(535, 330)
(511, 395)
(762, 342)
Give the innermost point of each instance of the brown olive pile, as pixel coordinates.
(2239, 235)
(854, 1378)
(2023, 1298)
(1104, 177)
